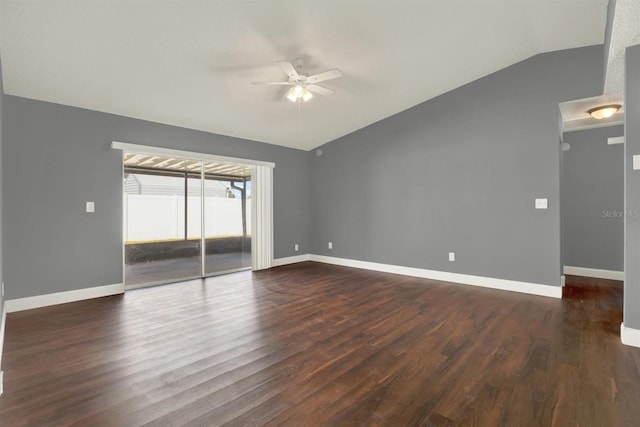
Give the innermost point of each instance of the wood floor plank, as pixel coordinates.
(313, 344)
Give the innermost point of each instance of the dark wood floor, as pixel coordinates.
(313, 344)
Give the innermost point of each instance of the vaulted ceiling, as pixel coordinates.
(190, 63)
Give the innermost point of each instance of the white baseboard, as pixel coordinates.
(594, 272)
(630, 336)
(291, 260)
(38, 301)
(2, 324)
(465, 279)
(563, 280)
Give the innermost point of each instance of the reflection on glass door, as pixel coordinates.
(227, 218)
(162, 217)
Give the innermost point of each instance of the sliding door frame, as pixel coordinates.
(261, 209)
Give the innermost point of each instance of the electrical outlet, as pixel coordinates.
(90, 207)
(541, 203)
(330, 245)
(452, 256)
(296, 247)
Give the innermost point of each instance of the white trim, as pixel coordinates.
(594, 272)
(615, 140)
(19, 304)
(465, 279)
(191, 155)
(2, 325)
(563, 280)
(291, 260)
(566, 125)
(629, 336)
(3, 322)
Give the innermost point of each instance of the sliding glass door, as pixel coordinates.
(227, 219)
(162, 211)
(176, 211)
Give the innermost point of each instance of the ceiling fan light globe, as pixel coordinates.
(307, 95)
(298, 90)
(291, 96)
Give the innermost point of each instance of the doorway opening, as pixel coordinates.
(184, 219)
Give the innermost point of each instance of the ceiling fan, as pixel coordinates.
(303, 85)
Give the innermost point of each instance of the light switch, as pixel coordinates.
(541, 204)
(91, 207)
(636, 162)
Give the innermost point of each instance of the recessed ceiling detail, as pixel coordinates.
(190, 63)
(625, 32)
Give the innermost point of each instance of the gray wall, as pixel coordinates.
(632, 189)
(58, 157)
(458, 173)
(593, 200)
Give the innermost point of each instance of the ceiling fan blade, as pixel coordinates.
(289, 69)
(320, 89)
(271, 83)
(327, 75)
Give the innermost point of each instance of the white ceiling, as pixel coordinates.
(190, 63)
(625, 31)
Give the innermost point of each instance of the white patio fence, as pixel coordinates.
(161, 217)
